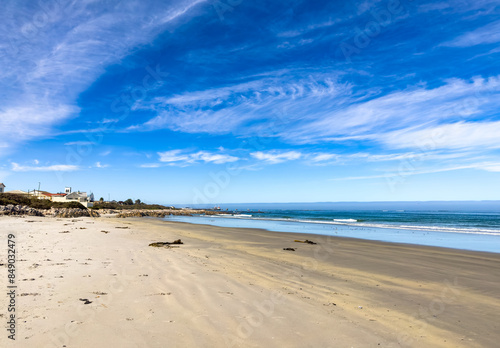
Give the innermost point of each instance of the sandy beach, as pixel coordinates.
(96, 282)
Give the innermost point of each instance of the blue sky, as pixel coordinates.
(188, 102)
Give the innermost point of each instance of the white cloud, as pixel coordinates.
(53, 168)
(475, 8)
(276, 156)
(320, 109)
(306, 29)
(487, 34)
(390, 157)
(486, 166)
(181, 157)
(212, 157)
(368, 120)
(366, 5)
(55, 53)
(108, 120)
(321, 157)
(262, 106)
(407, 173)
(150, 165)
(423, 155)
(491, 167)
(79, 143)
(173, 156)
(19, 123)
(460, 135)
(100, 165)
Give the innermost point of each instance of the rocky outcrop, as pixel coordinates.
(163, 212)
(108, 211)
(72, 212)
(19, 210)
(56, 212)
(78, 212)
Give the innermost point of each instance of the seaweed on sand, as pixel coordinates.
(167, 244)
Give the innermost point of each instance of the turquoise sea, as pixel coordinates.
(476, 227)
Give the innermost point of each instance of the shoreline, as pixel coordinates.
(235, 287)
(317, 236)
(455, 240)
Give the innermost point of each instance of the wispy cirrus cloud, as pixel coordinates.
(460, 135)
(182, 157)
(275, 156)
(487, 166)
(487, 34)
(323, 157)
(245, 108)
(151, 165)
(425, 154)
(474, 8)
(52, 60)
(258, 160)
(414, 107)
(80, 143)
(491, 167)
(322, 109)
(52, 168)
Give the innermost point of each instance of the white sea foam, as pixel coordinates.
(356, 223)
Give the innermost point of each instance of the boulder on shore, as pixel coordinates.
(161, 213)
(56, 212)
(19, 210)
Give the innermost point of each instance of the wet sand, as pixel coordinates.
(230, 287)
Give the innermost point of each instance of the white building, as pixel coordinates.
(81, 197)
(68, 196)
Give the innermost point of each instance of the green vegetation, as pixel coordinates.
(33, 202)
(128, 204)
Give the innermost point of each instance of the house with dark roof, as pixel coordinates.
(2, 187)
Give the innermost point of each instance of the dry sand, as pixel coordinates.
(228, 287)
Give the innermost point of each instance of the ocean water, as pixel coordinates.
(468, 230)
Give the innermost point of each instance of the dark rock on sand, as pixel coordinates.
(160, 244)
(56, 212)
